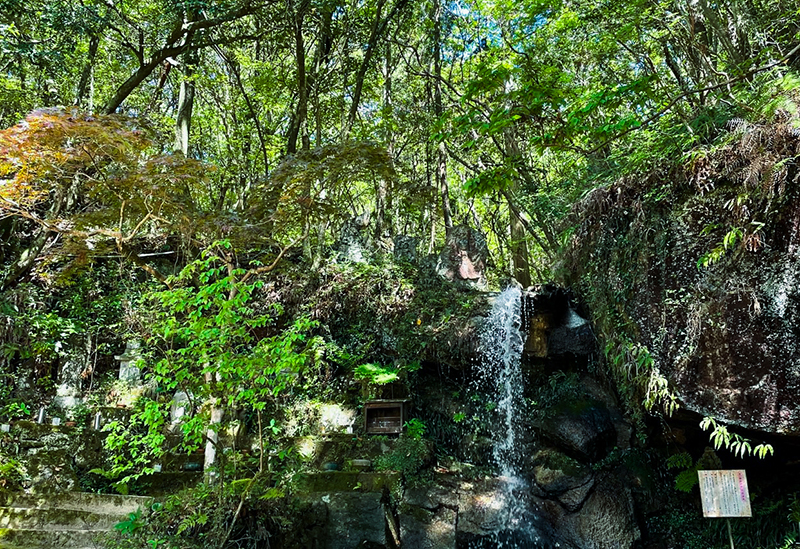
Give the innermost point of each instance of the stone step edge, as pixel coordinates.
(78, 501)
(50, 539)
(15, 518)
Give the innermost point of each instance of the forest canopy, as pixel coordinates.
(162, 126)
(256, 196)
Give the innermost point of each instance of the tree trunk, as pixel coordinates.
(519, 250)
(377, 29)
(321, 57)
(382, 193)
(87, 73)
(212, 441)
(441, 151)
(183, 119)
(299, 117)
(139, 76)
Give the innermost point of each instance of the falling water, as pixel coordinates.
(501, 345)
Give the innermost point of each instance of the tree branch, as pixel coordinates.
(661, 112)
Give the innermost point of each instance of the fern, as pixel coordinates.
(192, 521)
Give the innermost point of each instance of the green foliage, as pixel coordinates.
(721, 437)
(375, 373)
(687, 476)
(415, 428)
(205, 332)
(131, 523)
(134, 445)
(15, 410)
(639, 376)
(683, 526)
(794, 511)
(730, 240)
(191, 519)
(12, 474)
(408, 457)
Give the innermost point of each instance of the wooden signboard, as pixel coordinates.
(724, 493)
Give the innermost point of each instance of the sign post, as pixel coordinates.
(725, 494)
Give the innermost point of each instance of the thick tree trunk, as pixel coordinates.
(519, 251)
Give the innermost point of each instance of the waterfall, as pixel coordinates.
(501, 350)
(501, 381)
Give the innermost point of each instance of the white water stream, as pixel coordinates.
(501, 345)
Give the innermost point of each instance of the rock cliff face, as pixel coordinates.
(692, 275)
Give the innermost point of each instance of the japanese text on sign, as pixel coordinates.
(724, 493)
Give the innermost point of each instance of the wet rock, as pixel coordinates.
(573, 499)
(481, 515)
(555, 472)
(718, 317)
(582, 427)
(428, 529)
(464, 258)
(604, 521)
(574, 336)
(445, 493)
(354, 518)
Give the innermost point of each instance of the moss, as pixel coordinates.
(348, 481)
(419, 514)
(556, 461)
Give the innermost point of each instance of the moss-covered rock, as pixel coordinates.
(691, 278)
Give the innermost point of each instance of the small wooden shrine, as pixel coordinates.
(385, 416)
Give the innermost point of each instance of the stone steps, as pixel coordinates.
(51, 539)
(78, 501)
(55, 519)
(73, 520)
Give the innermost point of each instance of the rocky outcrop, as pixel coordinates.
(589, 505)
(554, 326)
(699, 273)
(605, 518)
(582, 427)
(459, 513)
(590, 512)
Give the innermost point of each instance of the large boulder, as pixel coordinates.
(423, 528)
(582, 427)
(697, 291)
(605, 519)
(457, 512)
(353, 519)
